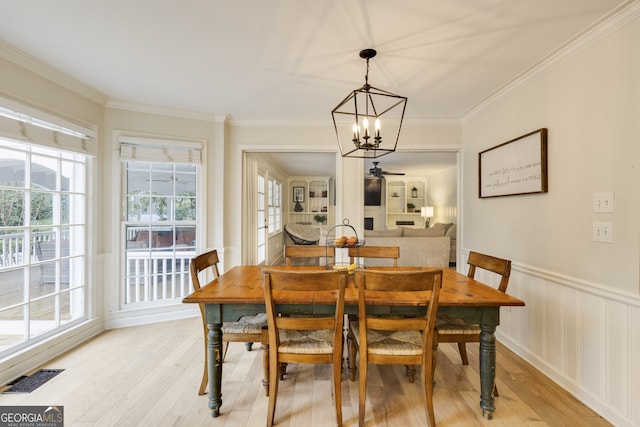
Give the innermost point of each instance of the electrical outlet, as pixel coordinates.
(603, 202)
(603, 232)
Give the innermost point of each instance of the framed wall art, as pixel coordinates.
(298, 194)
(515, 167)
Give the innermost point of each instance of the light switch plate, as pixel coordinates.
(603, 202)
(603, 232)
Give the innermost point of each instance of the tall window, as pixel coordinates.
(262, 220)
(275, 212)
(159, 226)
(43, 238)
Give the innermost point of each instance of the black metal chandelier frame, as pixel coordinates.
(376, 102)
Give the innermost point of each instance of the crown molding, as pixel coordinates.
(42, 69)
(436, 121)
(601, 29)
(164, 111)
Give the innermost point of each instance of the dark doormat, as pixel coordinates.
(29, 383)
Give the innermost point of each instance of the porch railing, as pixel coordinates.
(14, 251)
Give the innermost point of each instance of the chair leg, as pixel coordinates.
(224, 352)
(205, 371)
(352, 349)
(411, 373)
(363, 392)
(265, 360)
(273, 386)
(462, 348)
(337, 389)
(248, 345)
(427, 379)
(205, 379)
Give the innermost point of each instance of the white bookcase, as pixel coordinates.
(313, 200)
(404, 198)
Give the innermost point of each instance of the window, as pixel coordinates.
(43, 229)
(275, 212)
(262, 224)
(159, 226)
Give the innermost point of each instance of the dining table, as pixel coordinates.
(239, 292)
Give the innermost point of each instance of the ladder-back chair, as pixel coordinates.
(313, 338)
(248, 329)
(455, 330)
(397, 340)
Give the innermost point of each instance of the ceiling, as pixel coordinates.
(296, 59)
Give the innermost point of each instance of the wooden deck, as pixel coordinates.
(149, 376)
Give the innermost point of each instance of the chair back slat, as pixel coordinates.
(490, 263)
(300, 252)
(202, 262)
(384, 252)
(394, 282)
(282, 287)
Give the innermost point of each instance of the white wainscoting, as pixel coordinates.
(276, 248)
(584, 336)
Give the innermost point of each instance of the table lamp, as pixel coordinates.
(427, 213)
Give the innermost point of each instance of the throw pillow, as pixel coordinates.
(446, 225)
(451, 232)
(436, 231)
(394, 232)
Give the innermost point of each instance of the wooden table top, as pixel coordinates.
(243, 285)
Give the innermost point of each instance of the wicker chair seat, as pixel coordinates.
(246, 325)
(394, 343)
(306, 342)
(455, 325)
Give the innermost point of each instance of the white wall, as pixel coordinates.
(581, 321)
(442, 193)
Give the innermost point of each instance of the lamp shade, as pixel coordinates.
(426, 211)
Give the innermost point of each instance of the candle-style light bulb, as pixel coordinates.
(377, 128)
(365, 124)
(355, 131)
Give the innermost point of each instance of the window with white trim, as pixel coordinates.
(275, 210)
(262, 220)
(159, 220)
(44, 168)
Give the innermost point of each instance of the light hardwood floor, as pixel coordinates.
(149, 376)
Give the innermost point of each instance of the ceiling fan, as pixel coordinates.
(378, 172)
(170, 178)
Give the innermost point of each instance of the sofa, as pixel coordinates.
(434, 246)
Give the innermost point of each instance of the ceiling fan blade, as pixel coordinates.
(392, 173)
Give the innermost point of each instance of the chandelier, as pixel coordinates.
(359, 122)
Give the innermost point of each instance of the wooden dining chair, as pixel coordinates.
(376, 253)
(397, 340)
(303, 254)
(313, 339)
(455, 330)
(248, 329)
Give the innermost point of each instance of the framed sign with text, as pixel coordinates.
(515, 167)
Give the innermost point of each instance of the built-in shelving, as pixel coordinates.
(309, 201)
(404, 199)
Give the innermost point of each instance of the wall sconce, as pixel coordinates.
(427, 213)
